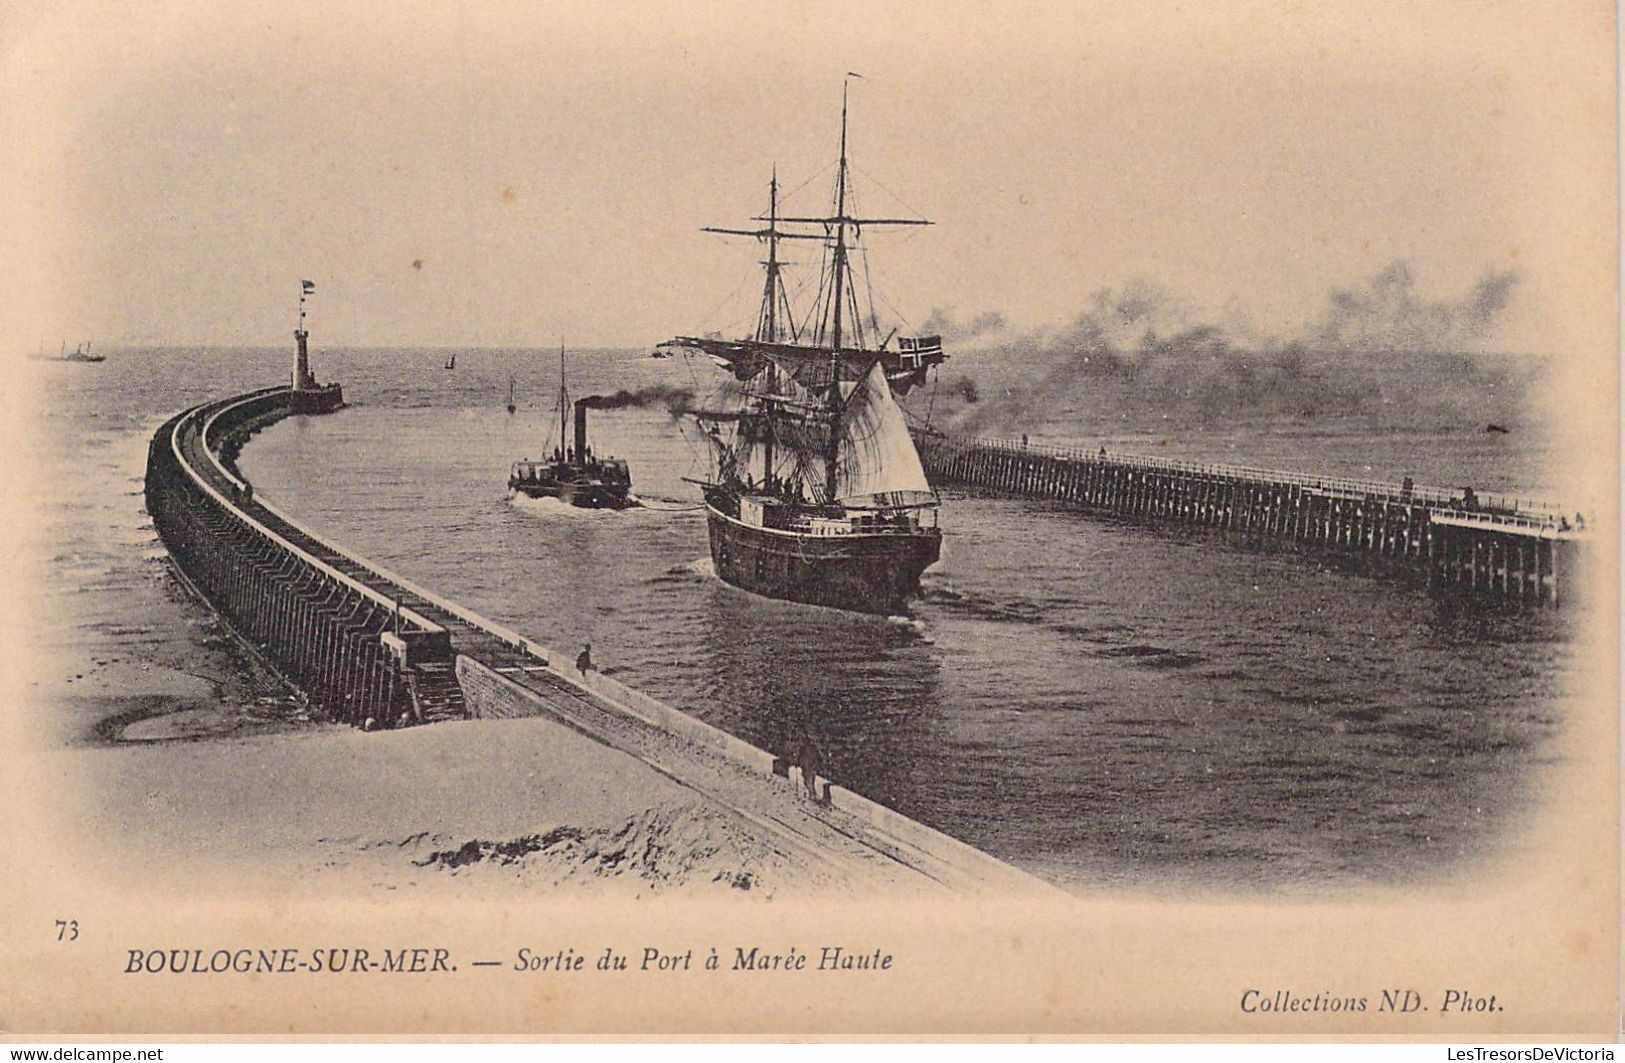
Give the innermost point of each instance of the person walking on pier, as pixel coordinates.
(808, 758)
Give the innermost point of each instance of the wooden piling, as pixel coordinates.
(1491, 551)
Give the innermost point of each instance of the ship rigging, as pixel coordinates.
(819, 495)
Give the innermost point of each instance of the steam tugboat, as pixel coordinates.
(573, 474)
(306, 395)
(818, 495)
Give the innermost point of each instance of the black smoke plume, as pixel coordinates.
(1138, 357)
(943, 322)
(1385, 314)
(676, 400)
(964, 389)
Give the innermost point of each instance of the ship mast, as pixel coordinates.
(835, 231)
(767, 330)
(838, 264)
(564, 402)
(769, 327)
(826, 346)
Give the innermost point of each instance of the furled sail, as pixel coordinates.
(809, 365)
(877, 463)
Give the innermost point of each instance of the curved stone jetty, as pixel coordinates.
(371, 648)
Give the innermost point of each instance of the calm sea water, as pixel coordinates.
(1097, 702)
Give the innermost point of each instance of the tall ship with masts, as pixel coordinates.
(818, 494)
(574, 474)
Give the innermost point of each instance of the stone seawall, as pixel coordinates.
(372, 648)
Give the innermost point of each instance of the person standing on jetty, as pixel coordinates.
(584, 659)
(811, 764)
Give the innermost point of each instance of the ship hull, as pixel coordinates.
(583, 496)
(876, 573)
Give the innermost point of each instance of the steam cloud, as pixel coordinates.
(1139, 355)
(942, 322)
(1385, 314)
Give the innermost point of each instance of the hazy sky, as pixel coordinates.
(490, 174)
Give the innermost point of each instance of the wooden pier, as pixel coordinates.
(370, 648)
(1515, 549)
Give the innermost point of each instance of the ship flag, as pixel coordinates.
(915, 350)
(308, 287)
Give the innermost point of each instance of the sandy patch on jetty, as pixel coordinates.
(135, 658)
(168, 758)
(154, 754)
(476, 807)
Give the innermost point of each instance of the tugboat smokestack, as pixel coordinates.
(581, 431)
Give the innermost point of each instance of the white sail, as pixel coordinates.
(877, 463)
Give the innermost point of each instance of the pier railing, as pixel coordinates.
(1517, 548)
(1530, 510)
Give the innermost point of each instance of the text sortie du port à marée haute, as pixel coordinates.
(423, 960)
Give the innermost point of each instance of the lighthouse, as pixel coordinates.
(305, 395)
(302, 380)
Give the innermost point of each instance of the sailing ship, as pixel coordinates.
(573, 474)
(818, 494)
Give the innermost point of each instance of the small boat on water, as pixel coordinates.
(573, 475)
(80, 353)
(817, 493)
